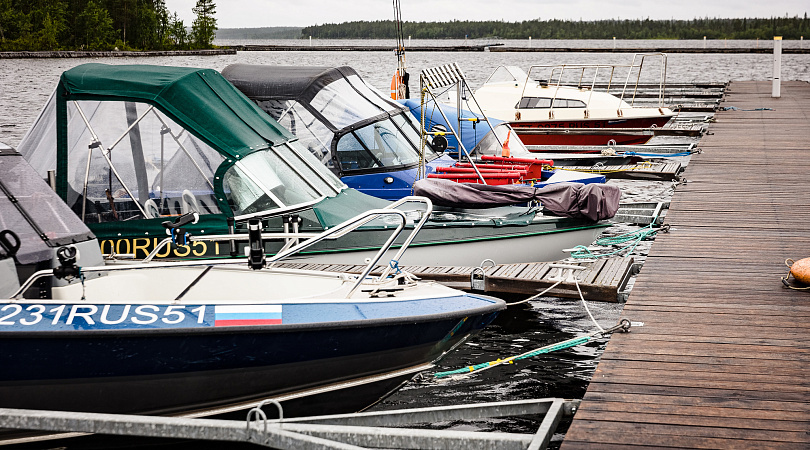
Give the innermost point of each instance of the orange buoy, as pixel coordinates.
(395, 85)
(801, 270)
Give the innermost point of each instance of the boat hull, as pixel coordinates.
(179, 371)
(586, 131)
(522, 247)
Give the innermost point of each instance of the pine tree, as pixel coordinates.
(204, 27)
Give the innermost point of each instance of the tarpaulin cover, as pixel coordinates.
(576, 200)
(200, 100)
(477, 137)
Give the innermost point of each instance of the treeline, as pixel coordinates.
(787, 27)
(259, 33)
(36, 25)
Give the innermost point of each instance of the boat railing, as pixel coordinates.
(558, 71)
(332, 233)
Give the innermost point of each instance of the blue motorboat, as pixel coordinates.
(196, 338)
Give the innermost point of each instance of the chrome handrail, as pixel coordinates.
(336, 231)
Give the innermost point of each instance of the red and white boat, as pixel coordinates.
(543, 111)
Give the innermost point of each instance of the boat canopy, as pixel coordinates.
(139, 141)
(349, 125)
(476, 135)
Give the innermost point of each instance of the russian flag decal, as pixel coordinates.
(242, 315)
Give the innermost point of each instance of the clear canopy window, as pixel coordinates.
(141, 164)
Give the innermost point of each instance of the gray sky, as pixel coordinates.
(268, 13)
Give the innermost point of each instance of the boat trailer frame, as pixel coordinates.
(379, 429)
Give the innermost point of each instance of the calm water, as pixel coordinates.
(26, 84)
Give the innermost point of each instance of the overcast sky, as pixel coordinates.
(273, 13)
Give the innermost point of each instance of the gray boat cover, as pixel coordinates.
(593, 201)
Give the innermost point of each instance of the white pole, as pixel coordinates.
(409, 40)
(704, 41)
(777, 67)
(614, 42)
(801, 41)
(310, 41)
(530, 41)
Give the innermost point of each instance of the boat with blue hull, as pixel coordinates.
(370, 141)
(136, 145)
(203, 337)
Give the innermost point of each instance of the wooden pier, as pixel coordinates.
(723, 356)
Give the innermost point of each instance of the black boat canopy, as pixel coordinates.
(349, 125)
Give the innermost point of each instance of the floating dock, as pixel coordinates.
(601, 280)
(722, 358)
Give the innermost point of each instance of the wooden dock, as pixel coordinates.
(722, 359)
(602, 280)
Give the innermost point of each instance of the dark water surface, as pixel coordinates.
(26, 84)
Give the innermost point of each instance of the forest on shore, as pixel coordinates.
(37, 25)
(712, 28)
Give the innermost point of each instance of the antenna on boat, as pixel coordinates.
(399, 82)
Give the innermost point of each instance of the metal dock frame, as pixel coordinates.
(380, 429)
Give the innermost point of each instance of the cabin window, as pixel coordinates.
(545, 102)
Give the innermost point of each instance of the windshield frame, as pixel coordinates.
(429, 155)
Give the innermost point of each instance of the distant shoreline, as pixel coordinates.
(107, 54)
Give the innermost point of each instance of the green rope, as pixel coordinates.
(510, 360)
(633, 237)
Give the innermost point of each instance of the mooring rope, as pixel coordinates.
(734, 108)
(634, 237)
(623, 325)
(785, 280)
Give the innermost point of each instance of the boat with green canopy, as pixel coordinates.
(129, 147)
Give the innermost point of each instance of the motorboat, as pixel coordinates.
(129, 147)
(545, 111)
(202, 337)
(496, 138)
(368, 140)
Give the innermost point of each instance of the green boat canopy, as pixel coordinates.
(200, 100)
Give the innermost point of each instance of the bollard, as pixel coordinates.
(777, 67)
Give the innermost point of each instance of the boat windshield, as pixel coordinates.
(385, 144)
(505, 74)
(277, 177)
(489, 145)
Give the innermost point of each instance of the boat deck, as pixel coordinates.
(722, 358)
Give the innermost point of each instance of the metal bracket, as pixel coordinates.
(478, 277)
